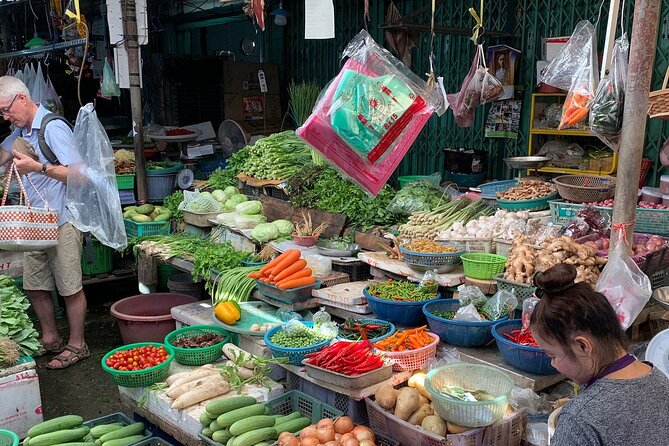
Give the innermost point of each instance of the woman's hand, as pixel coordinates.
(25, 164)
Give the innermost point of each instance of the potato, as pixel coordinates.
(422, 400)
(419, 415)
(386, 396)
(455, 429)
(434, 424)
(407, 403)
(417, 381)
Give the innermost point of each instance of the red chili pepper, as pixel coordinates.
(521, 337)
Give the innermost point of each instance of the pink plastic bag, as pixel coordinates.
(464, 102)
(368, 117)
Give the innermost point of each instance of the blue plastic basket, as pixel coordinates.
(491, 189)
(458, 333)
(295, 355)
(8, 438)
(249, 263)
(401, 313)
(375, 321)
(433, 259)
(523, 357)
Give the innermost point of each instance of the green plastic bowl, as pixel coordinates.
(8, 438)
(197, 356)
(139, 378)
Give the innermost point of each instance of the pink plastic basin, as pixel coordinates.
(147, 317)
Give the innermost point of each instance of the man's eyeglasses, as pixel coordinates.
(7, 110)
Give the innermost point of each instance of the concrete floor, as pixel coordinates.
(85, 388)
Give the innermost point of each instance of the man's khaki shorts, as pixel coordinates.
(59, 266)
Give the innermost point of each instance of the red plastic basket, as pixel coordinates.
(412, 359)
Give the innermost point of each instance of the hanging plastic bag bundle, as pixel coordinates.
(39, 86)
(92, 196)
(606, 114)
(567, 64)
(625, 286)
(369, 115)
(468, 98)
(51, 100)
(109, 87)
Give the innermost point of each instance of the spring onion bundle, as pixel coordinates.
(232, 284)
(429, 224)
(277, 157)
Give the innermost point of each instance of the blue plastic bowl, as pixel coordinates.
(399, 313)
(250, 263)
(458, 333)
(295, 355)
(523, 357)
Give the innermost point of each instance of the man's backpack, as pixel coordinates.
(43, 145)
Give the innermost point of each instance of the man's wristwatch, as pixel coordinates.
(43, 169)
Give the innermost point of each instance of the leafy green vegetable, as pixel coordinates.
(222, 178)
(172, 203)
(249, 208)
(284, 227)
(417, 196)
(14, 320)
(278, 156)
(265, 232)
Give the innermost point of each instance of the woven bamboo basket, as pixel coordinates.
(585, 188)
(658, 100)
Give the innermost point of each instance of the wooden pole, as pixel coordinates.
(132, 46)
(639, 74)
(611, 26)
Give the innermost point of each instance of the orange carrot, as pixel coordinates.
(306, 272)
(303, 281)
(279, 259)
(255, 275)
(265, 279)
(290, 269)
(292, 257)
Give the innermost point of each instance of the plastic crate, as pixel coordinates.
(458, 333)
(125, 181)
(250, 191)
(121, 418)
(521, 290)
(357, 271)
(506, 432)
(197, 356)
(139, 378)
(295, 355)
(472, 244)
(134, 229)
(278, 193)
(290, 295)
(334, 278)
(404, 314)
(308, 406)
(154, 441)
(102, 258)
(482, 266)
(523, 357)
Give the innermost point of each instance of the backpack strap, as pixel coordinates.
(43, 145)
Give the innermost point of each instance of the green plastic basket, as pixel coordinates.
(307, 406)
(521, 290)
(482, 266)
(135, 229)
(139, 378)
(537, 204)
(197, 356)
(8, 438)
(125, 181)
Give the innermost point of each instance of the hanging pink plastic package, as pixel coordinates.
(369, 115)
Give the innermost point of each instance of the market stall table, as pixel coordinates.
(381, 261)
(184, 425)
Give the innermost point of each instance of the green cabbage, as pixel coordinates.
(226, 218)
(233, 201)
(284, 226)
(249, 208)
(248, 221)
(230, 191)
(265, 232)
(219, 195)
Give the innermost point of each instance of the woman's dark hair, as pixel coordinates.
(567, 309)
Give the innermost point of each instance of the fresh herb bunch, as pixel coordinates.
(16, 324)
(157, 165)
(302, 188)
(401, 291)
(172, 203)
(222, 178)
(278, 156)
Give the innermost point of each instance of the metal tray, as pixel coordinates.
(333, 249)
(527, 162)
(661, 296)
(350, 382)
(253, 312)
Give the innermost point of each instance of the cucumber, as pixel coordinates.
(219, 407)
(293, 425)
(229, 418)
(127, 441)
(89, 438)
(222, 436)
(251, 423)
(206, 432)
(255, 436)
(26, 441)
(263, 443)
(126, 431)
(290, 417)
(100, 430)
(214, 426)
(205, 419)
(77, 443)
(266, 412)
(61, 436)
(55, 424)
(231, 442)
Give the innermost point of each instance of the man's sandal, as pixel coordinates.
(76, 355)
(53, 347)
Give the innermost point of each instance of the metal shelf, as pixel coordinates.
(557, 132)
(44, 49)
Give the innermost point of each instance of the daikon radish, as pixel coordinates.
(200, 394)
(232, 352)
(243, 372)
(175, 392)
(195, 374)
(170, 379)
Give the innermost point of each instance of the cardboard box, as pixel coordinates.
(21, 406)
(11, 263)
(252, 108)
(242, 77)
(552, 46)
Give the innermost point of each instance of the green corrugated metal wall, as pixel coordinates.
(528, 20)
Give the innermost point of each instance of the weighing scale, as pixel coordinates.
(525, 163)
(186, 176)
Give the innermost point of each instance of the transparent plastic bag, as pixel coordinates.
(285, 315)
(328, 330)
(468, 98)
(321, 317)
(499, 305)
(39, 86)
(491, 87)
(429, 282)
(294, 327)
(626, 287)
(606, 114)
(91, 195)
(471, 295)
(368, 117)
(194, 201)
(417, 196)
(468, 313)
(109, 87)
(564, 68)
(51, 100)
(528, 308)
(582, 90)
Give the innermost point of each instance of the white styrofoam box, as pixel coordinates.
(11, 263)
(21, 406)
(552, 46)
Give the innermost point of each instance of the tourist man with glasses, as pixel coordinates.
(58, 267)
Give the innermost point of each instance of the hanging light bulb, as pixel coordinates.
(280, 15)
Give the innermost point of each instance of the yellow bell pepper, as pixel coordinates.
(228, 312)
